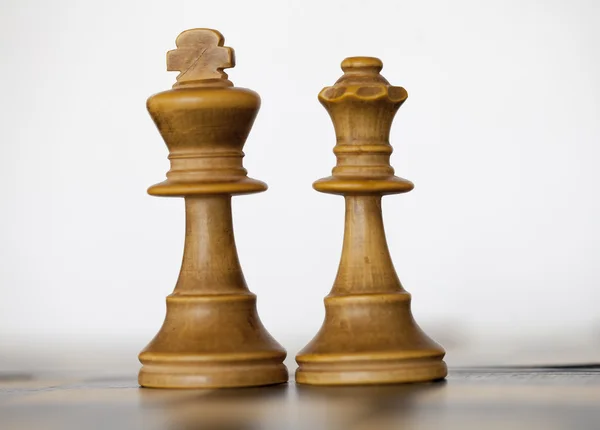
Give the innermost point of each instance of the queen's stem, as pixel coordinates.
(366, 266)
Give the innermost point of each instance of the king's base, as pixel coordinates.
(368, 372)
(212, 341)
(212, 376)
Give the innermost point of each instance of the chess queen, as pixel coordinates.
(369, 335)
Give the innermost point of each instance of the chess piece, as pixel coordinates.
(369, 335)
(212, 335)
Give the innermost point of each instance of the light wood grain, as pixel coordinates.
(369, 335)
(212, 335)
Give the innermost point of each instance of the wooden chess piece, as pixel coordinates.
(369, 335)
(212, 335)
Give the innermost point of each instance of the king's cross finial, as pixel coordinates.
(201, 57)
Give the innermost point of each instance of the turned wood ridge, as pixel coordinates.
(369, 335)
(212, 335)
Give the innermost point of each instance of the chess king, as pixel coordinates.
(369, 335)
(212, 335)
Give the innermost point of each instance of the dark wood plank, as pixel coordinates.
(483, 398)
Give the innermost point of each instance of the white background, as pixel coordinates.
(500, 134)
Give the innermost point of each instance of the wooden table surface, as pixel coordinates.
(474, 398)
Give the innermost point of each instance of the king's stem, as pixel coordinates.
(210, 260)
